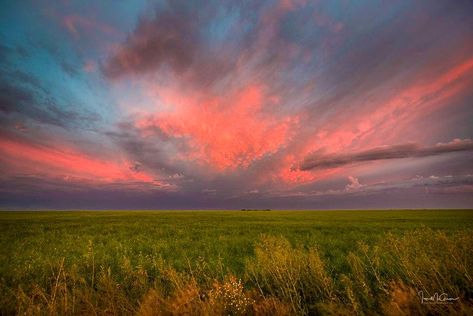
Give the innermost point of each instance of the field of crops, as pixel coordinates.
(234, 262)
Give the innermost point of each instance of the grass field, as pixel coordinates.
(234, 262)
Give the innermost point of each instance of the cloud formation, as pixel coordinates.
(385, 152)
(168, 38)
(235, 104)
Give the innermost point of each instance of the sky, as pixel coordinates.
(286, 104)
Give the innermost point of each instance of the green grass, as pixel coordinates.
(214, 243)
(178, 236)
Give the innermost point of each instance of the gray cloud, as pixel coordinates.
(151, 153)
(386, 152)
(168, 38)
(177, 37)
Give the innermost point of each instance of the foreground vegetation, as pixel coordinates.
(210, 262)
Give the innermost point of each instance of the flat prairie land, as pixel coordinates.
(236, 262)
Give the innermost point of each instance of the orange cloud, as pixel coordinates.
(225, 132)
(380, 126)
(65, 163)
(417, 100)
(388, 119)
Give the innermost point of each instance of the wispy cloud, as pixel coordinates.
(250, 98)
(383, 153)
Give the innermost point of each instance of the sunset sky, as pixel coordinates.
(236, 104)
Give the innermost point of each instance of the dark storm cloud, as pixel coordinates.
(382, 153)
(169, 38)
(185, 37)
(174, 36)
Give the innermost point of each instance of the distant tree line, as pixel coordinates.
(255, 210)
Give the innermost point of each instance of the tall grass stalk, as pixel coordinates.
(280, 279)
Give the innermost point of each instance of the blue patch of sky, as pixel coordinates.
(53, 61)
(218, 29)
(123, 15)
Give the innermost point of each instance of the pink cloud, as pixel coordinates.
(383, 123)
(375, 124)
(223, 131)
(66, 163)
